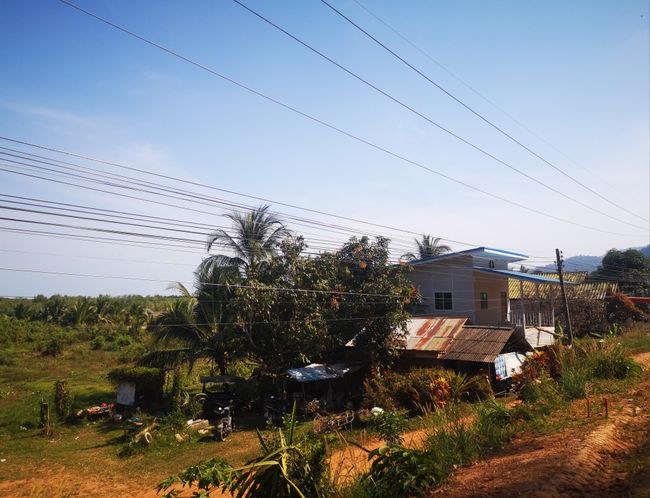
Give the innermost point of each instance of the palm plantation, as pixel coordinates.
(427, 247)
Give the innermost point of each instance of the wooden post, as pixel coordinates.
(45, 419)
(560, 267)
(539, 305)
(522, 306)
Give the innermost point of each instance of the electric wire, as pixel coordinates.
(431, 121)
(330, 126)
(476, 113)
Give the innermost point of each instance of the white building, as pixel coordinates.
(473, 284)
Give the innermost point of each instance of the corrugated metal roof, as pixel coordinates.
(431, 334)
(538, 337)
(575, 277)
(318, 371)
(581, 289)
(482, 252)
(475, 343)
(526, 277)
(453, 340)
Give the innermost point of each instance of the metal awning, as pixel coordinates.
(477, 252)
(318, 371)
(527, 277)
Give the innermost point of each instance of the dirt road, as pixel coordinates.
(574, 462)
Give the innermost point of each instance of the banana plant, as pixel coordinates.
(281, 472)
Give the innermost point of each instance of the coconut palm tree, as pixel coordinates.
(427, 247)
(196, 325)
(257, 235)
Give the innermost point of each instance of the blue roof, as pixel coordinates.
(529, 277)
(486, 252)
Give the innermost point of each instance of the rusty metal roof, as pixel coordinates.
(451, 339)
(476, 343)
(431, 334)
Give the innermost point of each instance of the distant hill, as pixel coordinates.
(645, 250)
(590, 263)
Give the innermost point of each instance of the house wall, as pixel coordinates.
(496, 289)
(455, 275)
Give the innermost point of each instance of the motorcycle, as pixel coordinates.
(224, 424)
(274, 411)
(220, 414)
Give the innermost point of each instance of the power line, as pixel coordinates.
(477, 114)
(131, 180)
(474, 90)
(330, 126)
(297, 220)
(431, 121)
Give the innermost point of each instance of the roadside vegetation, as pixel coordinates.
(253, 313)
(459, 430)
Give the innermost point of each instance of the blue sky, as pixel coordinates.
(576, 73)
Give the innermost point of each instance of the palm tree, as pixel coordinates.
(200, 325)
(257, 235)
(196, 326)
(427, 247)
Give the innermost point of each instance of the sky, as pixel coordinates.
(569, 80)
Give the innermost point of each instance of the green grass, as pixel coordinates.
(90, 447)
(638, 339)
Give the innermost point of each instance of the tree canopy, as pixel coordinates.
(630, 268)
(268, 302)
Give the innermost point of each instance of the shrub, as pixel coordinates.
(608, 359)
(6, 359)
(620, 308)
(53, 348)
(379, 391)
(98, 342)
(492, 425)
(389, 425)
(588, 316)
(423, 390)
(123, 340)
(62, 399)
(464, 387)
(399, 471)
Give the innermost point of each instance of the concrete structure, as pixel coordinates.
(473, 284)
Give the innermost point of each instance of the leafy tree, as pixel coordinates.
(630, 268)
(371, 299)
(427, 247)
(282, 321)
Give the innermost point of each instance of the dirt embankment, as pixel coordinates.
(573, 462)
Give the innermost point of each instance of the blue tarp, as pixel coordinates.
(317, 371)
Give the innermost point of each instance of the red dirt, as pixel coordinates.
(569, 463)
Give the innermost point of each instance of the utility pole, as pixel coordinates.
(560, 268)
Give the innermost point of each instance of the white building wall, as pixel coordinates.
(455, 275)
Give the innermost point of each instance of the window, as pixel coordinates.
(443, 301)
(484, 300)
